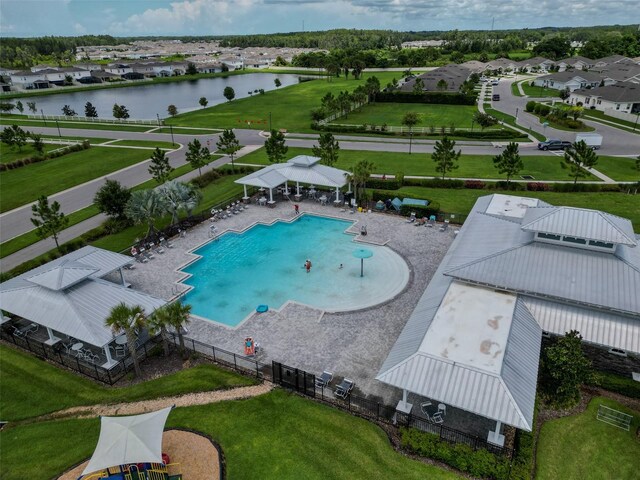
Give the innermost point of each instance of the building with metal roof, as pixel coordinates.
(301, 169)
(69, 296)
(518, 267)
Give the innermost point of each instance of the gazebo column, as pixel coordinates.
(246, 197)
(52, 338)
(270, 194)
(122, 280)
(403, 406)
(110, 361)
(495, 437)
(297, 188)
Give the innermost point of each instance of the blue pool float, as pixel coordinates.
(262, 308)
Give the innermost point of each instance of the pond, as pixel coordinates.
(146, 102)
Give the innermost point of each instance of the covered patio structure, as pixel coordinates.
(302, 169)
(70, 298)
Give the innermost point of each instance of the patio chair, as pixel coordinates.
(157, 248)
(32, 328)
(437, 418)
(424, 408)
(324, 379)
(129, 266)
(18, 332)
(344, 389)
(442, 409)
(166, 242)
(444, 226)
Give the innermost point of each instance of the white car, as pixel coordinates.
(495, 82)
(484, 79)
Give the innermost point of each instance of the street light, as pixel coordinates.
(58, 125)
(43, 119)
(158, 115)
(171, 130)
(410, 140)
(516, 114)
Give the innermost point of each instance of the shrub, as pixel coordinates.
(576, 187)
(545, 110)
(433, 183)
(442, 98)
(610, 187)
(523, 459)
(536, 109)
(626, 386)
(538, 187)
(383, 184)
(474, 184)
(513, 186)
(530, 106)
(432, 209)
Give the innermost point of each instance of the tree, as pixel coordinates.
(90, 111)
(203, 102)
(6, 107)
(197, 155)
(67, 111)
(179, 316)
(38, 144)
(277, 83)
(228, 144)
(442, 84)
(457, 57)
(564, 368)
(19, 106)
(484, 58)
(565, 93)
(358, 67)
(145, 206)
(418, 86)
(484, 120)
(576, 112)
(120, 111)
(179, 196)
(509, 161)
(112, 198)
(14, 136)
(638, 163)
(191, 69)
(275, 147)
(553, 47)
(410, 119)
(445, 156)
(578, 158)
(172, 109)
(48, 219)
(158, 322)
(159, 167)
(372, 87)
(361, 173)
(327, 149)
(123, 318)
(229, 93)
(32, 107)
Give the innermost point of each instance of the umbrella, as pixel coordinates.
(362, 253)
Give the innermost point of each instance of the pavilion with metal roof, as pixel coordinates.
(69, 296)
(518, 267)
(301, 169)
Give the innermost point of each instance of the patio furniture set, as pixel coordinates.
(146, 251)
(232, 209)
(343, 390)
(433, 412)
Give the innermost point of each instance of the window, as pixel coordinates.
(595, 243)
(617, 106)
(580, 241)
(618, 351)
(548, 236)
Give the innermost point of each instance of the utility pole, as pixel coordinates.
(158, 115)
(171, 129)
(58, 125)
(43, 119)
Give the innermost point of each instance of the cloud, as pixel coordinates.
(80, 29)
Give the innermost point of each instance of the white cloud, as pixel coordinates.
(80, 29)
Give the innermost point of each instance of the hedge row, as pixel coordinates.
(381, 130)
(626, 386)
(208, 177)
(478, 463)
(41, 158)
(514, 186)
(523, 459)
(440, 98)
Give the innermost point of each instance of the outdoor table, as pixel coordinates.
(298, 197)
(77, 346)
(271, 203)
(121, 340)
(323, 200)
(263, 201)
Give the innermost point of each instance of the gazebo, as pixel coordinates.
(301, 169)
(70, 296)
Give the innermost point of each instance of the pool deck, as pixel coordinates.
(350, 344)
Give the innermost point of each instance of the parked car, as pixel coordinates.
(484, 79)
(495, 97)
(554, 145)
(594, 140)
(495, 81)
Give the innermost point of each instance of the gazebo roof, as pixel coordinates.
(301, 169)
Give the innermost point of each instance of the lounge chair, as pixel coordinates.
(412, 218)
(424, 408)
(444, 226)
(324, 379)
(344, 389)
(24, 331)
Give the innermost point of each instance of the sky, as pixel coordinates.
(32, 18)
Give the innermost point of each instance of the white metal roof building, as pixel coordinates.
(517, 268)
(68, 295)
(301, 169)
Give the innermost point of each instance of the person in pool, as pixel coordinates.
(307, 265)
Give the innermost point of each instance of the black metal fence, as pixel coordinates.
(55, 354)
(303, 382)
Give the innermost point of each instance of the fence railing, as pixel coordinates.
(96, 120)
(406, 130)
(55, 354)
(304, 383)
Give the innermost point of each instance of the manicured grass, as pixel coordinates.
(509, 120)
(290, 106)
(274, 436)
(145, 143)
(557, 126)
(622, 169)
(26, 184)
(187, 131)
(462, 200)
(421, 164)
(514, 90)
(32, 387)
(8, 155)
(597, 114)
(429, 115)
(598, 450)
(539, 91)
(24, 122)
(92, 141)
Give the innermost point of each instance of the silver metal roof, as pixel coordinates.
(65, 296)
(581, 223)
(597, 279)
(601, 328)
(301, 169)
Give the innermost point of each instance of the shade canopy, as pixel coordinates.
(362, 253)
(131, 439)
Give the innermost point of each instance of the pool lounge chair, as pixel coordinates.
(324, 379)
(344, 389)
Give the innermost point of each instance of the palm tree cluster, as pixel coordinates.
(346, 101)
(131, 320)
(146, 206)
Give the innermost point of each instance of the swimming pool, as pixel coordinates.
(265, 265)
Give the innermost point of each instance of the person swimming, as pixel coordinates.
(307, 265)
(340, 267)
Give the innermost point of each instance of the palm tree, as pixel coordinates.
(179, 196)
(145, 206)
(128, 319)
(158, 322)
(179, 316)
(361, 173)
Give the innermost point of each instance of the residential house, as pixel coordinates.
(474, 66)
(210, 67)
(622, 71)
(620, 97)
(453, 75)
(233, 62)
(575, 63)
(572, 80)
(28, 79)
(75, 72)
(536, 64)
(118, 68)
(503, 64)
(518, 271)
(604, 61)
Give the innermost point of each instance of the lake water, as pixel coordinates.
(145, 102)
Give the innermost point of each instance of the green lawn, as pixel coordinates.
(557, 126)
(24, 122)
(598, 115)
(514, 90)
(597, 450)
(274, 436)
(26, 184)
(33, 387)
(145, 143)
(539, 92)
(421, 164)
(509, 120)
(187, 131)
(290, 106)
(429, 115)
(461, 200)
(8, 155)
(622, 169)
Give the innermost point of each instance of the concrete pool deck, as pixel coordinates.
(350, 344)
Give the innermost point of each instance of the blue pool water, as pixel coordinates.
(265, 265)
